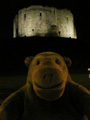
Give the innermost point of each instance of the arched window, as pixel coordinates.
(40, 14)
(24, 16)
(59, 32)
(67, 19)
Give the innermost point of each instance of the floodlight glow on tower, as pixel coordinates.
(44, 21)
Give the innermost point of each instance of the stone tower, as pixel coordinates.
(44, 21)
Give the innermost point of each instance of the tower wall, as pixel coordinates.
(39, 20)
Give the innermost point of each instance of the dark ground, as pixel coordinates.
(14, 51)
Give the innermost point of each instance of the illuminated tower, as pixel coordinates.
(44, 21)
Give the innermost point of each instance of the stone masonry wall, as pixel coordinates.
(44, 21)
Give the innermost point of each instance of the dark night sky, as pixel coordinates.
(80, 10)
